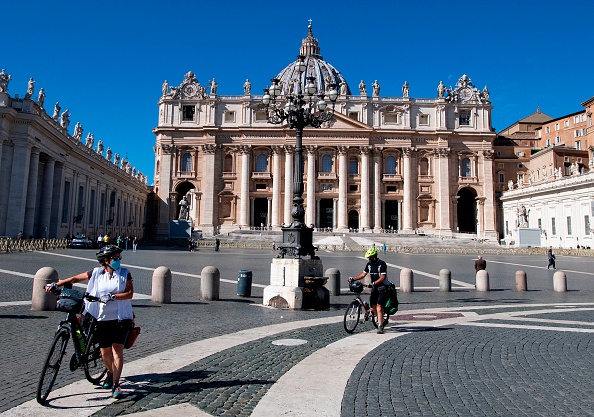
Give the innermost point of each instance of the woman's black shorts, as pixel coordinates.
(379, 295)
(112, 331)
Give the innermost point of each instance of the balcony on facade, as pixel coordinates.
(468, 180)
(326, 175)
(232, 175)
(261, 176)
(392, 177)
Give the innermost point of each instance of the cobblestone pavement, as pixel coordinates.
(458, 353)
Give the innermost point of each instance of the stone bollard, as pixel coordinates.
(521, 281)
(41, 300)
(333, 283)
(559, 281)
(210, 283)
(445, 280)
(482, 280)
(161, 285)
(407, 282)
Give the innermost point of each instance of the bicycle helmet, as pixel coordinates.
(107, 252)
(371, 252)
(356, 287)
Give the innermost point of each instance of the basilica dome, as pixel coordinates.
(324, 73)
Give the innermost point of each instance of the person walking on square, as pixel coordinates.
(551, 257)
(480, 264)
(217, 244)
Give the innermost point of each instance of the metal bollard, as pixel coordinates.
(521, 281)
(41, 300)
(559, 281)
(161, 285)
(333, 283)
(407, 283)
(445, 280)
(210, 283)
(482, 280)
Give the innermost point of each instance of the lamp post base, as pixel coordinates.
(297, 242)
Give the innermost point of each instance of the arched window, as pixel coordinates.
(327, 163)
(228, 164)
(262, 163)
(390, 165)
(353, 166)
(186, 162)
(466, 171)
(424, 166)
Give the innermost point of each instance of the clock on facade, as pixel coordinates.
(465, 94)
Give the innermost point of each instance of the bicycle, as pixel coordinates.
(86, 347)
(352, 315)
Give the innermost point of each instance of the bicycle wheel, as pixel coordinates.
(351, 316)
(91, 361)
(52, 365)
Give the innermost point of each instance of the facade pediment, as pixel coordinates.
(340, 122)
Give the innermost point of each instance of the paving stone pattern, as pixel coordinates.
(475, 371)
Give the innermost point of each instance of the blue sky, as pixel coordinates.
(105, 61)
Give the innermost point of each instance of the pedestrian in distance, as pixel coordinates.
(551, 257)
(112, 284)
(217, 244)
(378, 270)
(480, 264)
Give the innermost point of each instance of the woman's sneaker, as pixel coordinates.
(380, 329)
(108, 383)
(117, 392)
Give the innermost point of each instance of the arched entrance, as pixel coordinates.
(466, 210)
(353, 219)
(391, 215)
(182, 190)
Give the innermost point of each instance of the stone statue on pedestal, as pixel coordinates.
(78, 131)
(90, 140)
(108, 154)
(57, 109)
(41, 97)
(441, 89)
(362, 88)
(65, 119)
(522, 216)
(376, 89)
(30, 88)
(4, 80)
(184, 209)
(405, 89)
(247, 87)
(165, 88)
(100, 148)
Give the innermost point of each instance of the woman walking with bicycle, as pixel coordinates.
(378, 270)
(113, 285)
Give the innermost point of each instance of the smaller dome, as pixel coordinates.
(324, 73)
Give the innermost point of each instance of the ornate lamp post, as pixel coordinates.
(300, 109)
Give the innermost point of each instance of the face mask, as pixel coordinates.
(115, 264)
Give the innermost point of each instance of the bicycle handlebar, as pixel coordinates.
(54, 289)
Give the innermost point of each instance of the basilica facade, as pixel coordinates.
(402, 164)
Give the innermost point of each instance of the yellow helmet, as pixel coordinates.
(371, 252)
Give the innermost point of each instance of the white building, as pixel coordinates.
(396, 163)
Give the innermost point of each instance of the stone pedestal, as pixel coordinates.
(287, 282)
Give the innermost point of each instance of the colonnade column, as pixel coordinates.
(408, 195)
(310, 206)
(364, 188)
(5, 160)
(46, 198)
(377, 207)
(343, 174)
(19, 178)
(288, 202)
(276, 186)
(244, 210)
(29, 219)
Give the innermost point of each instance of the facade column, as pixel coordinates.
(334, 213)
(252, 219)
(489, 223)
(408, 192)
(47, 191)
(377, 182)
(288, 203)
(317, 219)
(480, 227)
(311, 207)
(244, 215)
(30, 204)
(364, 188)
(6, 150)
(17, 194)
(210, 212)
(276, 186)
(444, 224)
(165, 177)
(58, 181)
(399, 215)
(269, 211)
(343, 176)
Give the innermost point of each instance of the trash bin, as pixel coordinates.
(244, 283)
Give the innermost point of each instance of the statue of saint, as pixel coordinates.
(41, 97)
(108, 154)
(362, 88)
(441, 89)
(100, 147)
(213, 86)
(116, 159)
(343, 88)
(30, 88)
(405, 89)
(65, 119)
(4, 80)
(523, 216)
(510, 185)
(165, 88)
(57, 109)
(184, 209)
(376, 88)
(90, 140)
(247, 87)
(78, 131)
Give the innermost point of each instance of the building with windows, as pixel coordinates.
(52, 184)
(383, 163)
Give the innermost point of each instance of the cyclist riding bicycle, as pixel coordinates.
(113, 285)
(378, 270)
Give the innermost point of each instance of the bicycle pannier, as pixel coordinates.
(70, 301)
(132, 335)
(391, 306)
